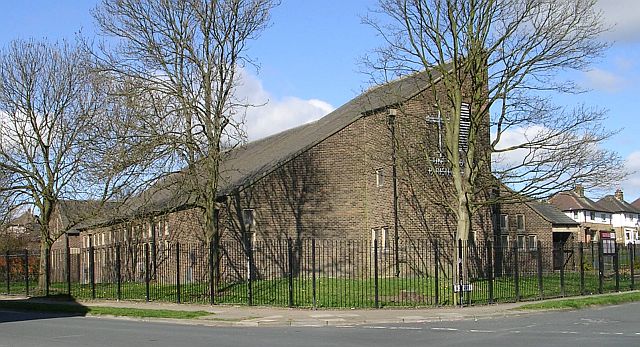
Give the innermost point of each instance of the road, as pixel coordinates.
(610, 326)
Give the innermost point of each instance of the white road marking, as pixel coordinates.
(445, 329)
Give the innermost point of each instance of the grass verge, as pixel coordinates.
(100, 310)
(578, 303)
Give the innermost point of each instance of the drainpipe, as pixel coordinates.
(392, 127)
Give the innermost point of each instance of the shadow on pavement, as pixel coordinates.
(15, 310)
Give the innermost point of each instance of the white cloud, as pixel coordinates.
(514, 137)
(624, 16)
(631, 186)
(603, 80)
(271, 115)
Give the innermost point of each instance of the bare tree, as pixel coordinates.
(498, 64)
(49, 107)
(177, 65)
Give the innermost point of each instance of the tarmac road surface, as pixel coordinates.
(602, 326)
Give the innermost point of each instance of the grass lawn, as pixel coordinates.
(578, 303)
(340, 292)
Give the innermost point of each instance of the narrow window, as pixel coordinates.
(504, 241)
(592, 215)
(575, 215)
(379, 177)
(383, 237)
(248, 218)
(465, 126)
(520, 222)
(521, 242)
(532, 241)
(504, 222)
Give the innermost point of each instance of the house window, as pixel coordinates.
(248, 218)
(521, 239)
(520, 222)
(504, 222)
(381, 235)
(504, 241)
(575, 215)
(379, 177)
(532, 242)
(603, 217)
(592, 215)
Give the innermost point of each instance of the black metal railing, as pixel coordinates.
(324, 273)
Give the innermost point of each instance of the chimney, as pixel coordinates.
(619, 195)
(579, 189)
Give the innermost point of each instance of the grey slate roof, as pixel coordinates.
(551, 213)
(246, 164)
(570, 200)
(614, 205)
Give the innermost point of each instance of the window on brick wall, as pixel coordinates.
(248, 218)
(532, 242)
(382, 236)
(504, 241)
(465, 126)
(521, 240)
(520, 222)
(504, 222)
(380, 177)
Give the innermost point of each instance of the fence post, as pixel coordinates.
(118, 272)
(539, 261)
(92, 269)
(516, 272)
(600, 267)
(26, 271)
(7, 271)
(562, 286)
(178, 272)
(632, 263)
(290, 254)
(436, 266)
(249, 249)
(616, 265)
(68, 263)
(146, 271)
(490, 262)
(313, 273)
(581, 251)
(212, 287)
(375, 273)
(460, 274)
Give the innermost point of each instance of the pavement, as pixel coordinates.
(256, 316)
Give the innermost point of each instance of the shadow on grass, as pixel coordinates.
(15, 310)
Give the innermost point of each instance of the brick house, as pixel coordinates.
(329, 179)
(624, 218)
(595, 219)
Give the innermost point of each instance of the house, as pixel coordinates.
(595, 219)
(23, 231)
(624, 218)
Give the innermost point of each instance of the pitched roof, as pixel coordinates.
(570, 200)
(25, 219)
(246, 164)
(551, 213)
(636, 203)
(76, 214)
(611, 203)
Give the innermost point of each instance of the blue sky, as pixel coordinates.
(309, 62)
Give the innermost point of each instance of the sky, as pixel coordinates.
(309, 63)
